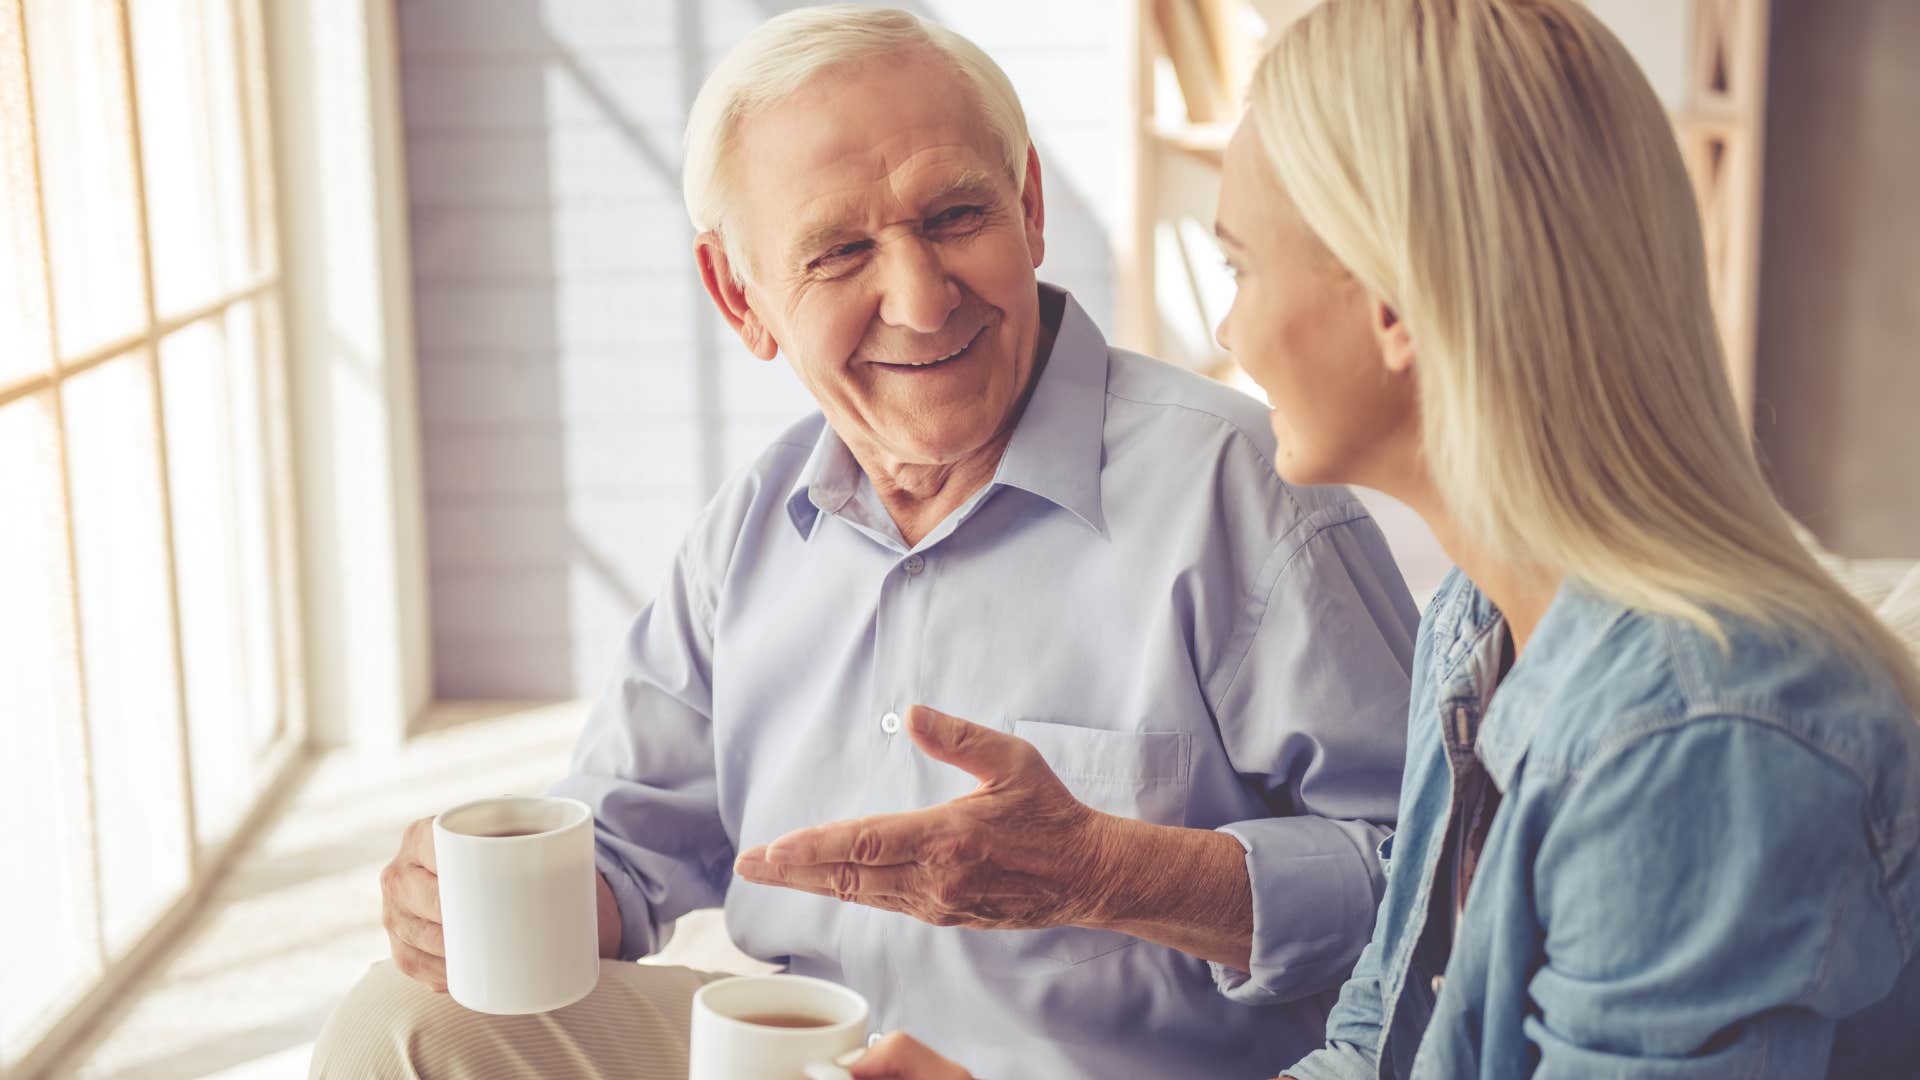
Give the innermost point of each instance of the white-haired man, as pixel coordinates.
(1155, 852)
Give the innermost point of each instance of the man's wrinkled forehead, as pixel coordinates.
(830, 149)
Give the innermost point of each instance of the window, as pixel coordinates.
(149, 655)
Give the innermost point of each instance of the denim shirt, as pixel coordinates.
(1704, 862)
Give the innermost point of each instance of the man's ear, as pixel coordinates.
(730, 295)
(1395, 340)
(1033, 208)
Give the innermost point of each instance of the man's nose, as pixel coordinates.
(916, 292)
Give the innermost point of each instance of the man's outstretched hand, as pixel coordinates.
(1018, 852)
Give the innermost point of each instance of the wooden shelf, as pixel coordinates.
(1192, 60)
(1207, 142)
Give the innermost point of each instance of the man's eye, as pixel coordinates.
(839, 257)
(956, 216)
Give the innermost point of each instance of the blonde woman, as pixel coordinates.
(1661, 804)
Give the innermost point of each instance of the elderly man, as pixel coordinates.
(1153, 836)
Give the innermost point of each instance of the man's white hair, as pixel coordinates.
(788, 50)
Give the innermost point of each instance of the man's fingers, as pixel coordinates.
(412, 888)
(429, 971)
(410, 893)
(416, 845)
(846, 881)
(428, 937)
(987, 754)
(882, 840)
(807, 880)
(873, 900)
(899, 1056)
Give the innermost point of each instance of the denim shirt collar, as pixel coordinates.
(1055, 452)
(1573, 622)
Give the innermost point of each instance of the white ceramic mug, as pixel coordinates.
(517, 902)
(727, 1044)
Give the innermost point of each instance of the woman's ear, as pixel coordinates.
(729, 293)
(1395, 340)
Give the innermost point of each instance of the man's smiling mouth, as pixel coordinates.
(940, 361)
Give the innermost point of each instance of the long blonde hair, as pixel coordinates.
(1500, 173)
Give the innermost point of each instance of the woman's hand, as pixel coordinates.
(898, 1057)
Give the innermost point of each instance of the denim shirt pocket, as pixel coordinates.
(1144, 775)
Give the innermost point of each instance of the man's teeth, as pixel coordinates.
(943, 359)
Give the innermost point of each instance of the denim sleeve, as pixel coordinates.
(1353, 1027)
(644, 764)
(1317, 714)
(1711, 905)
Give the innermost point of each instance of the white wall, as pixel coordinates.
(1659, 34)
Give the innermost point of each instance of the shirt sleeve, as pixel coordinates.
(644, 765)
(1315, 712)
(1712, 906)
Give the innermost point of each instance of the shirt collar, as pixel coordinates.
(1055, 451)
(827, 482)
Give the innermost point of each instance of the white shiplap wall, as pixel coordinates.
(578, 399)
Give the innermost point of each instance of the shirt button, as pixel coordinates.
(914, 564)
(1438, 982)
(890, 723)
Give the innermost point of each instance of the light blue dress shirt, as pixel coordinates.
(1185, 638)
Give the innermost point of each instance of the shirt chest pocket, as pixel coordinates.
(1141, 775)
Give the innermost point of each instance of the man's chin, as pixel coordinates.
(946, 446)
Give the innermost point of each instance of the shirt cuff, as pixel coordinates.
(638, 937)
(1316, 883)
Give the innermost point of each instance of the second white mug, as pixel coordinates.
(775, 1027)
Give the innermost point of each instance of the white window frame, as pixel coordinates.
(276, 763)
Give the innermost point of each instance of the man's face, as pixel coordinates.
(890, 256)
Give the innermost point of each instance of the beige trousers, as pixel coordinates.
(633, 1025)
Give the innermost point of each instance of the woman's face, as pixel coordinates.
(1336, 365)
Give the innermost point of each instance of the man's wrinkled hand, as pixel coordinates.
(1018, 852)
(410, 909)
